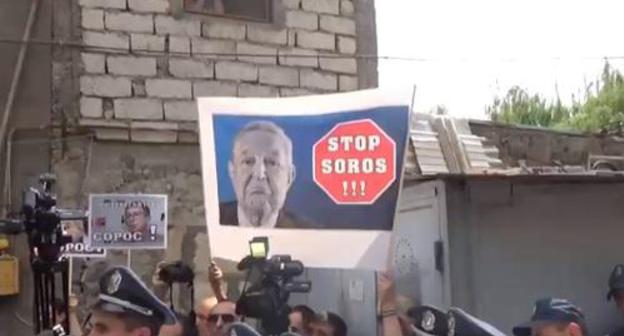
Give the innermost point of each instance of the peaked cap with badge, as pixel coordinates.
(456, 322)
(429, 319)
(461, 323)
(121, 291)
(549, 310)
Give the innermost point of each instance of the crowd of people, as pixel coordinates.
(126, 307)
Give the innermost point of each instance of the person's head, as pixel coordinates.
(137, 216)
(220, 317)
(104, 323)
(261, 170)
(201, 314)
(616, 287)
(126, 307)
(328, 324)
(554, 317)
(300, 318)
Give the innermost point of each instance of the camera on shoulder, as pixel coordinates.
(266, 298)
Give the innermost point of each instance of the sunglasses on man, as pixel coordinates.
(225, 318)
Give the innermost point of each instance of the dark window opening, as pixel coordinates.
(257, 10)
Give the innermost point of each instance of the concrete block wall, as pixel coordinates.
(147, 61)
(135, 83)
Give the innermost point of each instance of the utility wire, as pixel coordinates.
(79, 45)
(321, 55)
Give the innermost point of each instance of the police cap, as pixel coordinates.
(551, 310)
(461, 323)
(616, 281)
(121, 291)
(429, 319)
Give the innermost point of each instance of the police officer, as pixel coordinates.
(553, 317)
(616, 292)
(125, 307)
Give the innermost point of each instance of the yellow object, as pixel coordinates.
(9, 275)
(4, 242)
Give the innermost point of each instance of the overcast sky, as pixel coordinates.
(474, 49)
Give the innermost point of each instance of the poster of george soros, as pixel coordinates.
(318, 175)
(134, 221)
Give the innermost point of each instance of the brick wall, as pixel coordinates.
(148, 60)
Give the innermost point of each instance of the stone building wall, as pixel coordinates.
(129, 83)
(147, 60)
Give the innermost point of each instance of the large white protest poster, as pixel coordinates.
(318, 175)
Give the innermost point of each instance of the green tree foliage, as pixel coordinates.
(601, 110)
(520, 107)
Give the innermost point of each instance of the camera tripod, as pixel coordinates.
(45, 309)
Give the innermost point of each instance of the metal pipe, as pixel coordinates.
(8, 107)
(7, 174)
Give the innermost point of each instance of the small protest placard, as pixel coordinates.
(79, 246)
(130, 221)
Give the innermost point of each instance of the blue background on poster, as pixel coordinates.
(305, 198)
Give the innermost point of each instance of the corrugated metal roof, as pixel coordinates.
(589, 177)
(426, 146)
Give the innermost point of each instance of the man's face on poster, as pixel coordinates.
(261, 171)
(136, 219)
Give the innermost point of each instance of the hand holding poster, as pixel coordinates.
(79, 247)
(311, 173)
(128, 221)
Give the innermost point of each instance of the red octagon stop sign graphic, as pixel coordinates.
(354, 163)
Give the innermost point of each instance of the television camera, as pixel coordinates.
(267, 297)
(41, 220)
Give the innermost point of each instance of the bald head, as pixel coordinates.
(221, 316)
(206, 305)
(202, 311)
